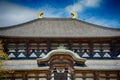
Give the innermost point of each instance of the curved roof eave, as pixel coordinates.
(58, 27)
(61, 51)
(31, 21)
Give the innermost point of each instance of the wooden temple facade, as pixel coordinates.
(61, 49)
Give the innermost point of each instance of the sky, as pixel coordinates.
(101, 12)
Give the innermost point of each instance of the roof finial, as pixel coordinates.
(61, 46)
(40, 15)
(74, 15)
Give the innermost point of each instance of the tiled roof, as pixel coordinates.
(90, 65)
(23, 65)
(62, 51)
(100, 65)
(58, 27)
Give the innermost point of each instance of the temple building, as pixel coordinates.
(60, 49)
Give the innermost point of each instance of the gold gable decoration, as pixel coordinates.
(3, 57)
(61, 46)
(40, 15)
(74, 15)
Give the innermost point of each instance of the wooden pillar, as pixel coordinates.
(80, 48)
(91, 48)
(84, 78)
(118, 75)
(113, 48)
(96, 75)
(25, 76)
(69, 45)
(13, 77)
(48, 45)
(107, 76)
(5, 45)
(27, 48)
(37, 77)
(73, 75)
(101, 50)
(48, 75)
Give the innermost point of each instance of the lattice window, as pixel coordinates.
(42, 75)
(89, 79)
(106, 50)
(79, 75)
(33, 49)
(33, 46)
(110, 75)
(97, 50)
(42, 79)
(96, 47)
(31, 78)
(79, 79)
(42, 49)
(29, 75)
(85, 50)
(18, 75)
(89, 75)
(102, 74)
(64, 44)
(11, 46)
(117, 50)
(86, 76)
(84, 46)
(54, 46)
(102, 78)
(106, 47)
(113, 78)
(12, 50)
(21, 50)
(21, 46)
(75, 46)
(42, 46)
(19, 79)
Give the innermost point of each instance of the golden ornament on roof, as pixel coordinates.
(40, 15)
(74, 15)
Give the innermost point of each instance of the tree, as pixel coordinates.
(3, 57)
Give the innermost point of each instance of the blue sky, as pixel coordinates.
(100, 12)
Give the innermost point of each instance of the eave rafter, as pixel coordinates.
(75, 57)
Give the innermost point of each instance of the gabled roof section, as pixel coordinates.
(58, 27)
(63, 52)
(90, 65)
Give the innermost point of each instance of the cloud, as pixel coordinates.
(104, 22)
(51, 12)
(12, 14)
(77, 7)
(92, 3)
(82, 5)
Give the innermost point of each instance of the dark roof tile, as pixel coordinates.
(58, 27)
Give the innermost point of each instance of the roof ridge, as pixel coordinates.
(58, 27)
(11, 26)
(45, 18)
(96, 25)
